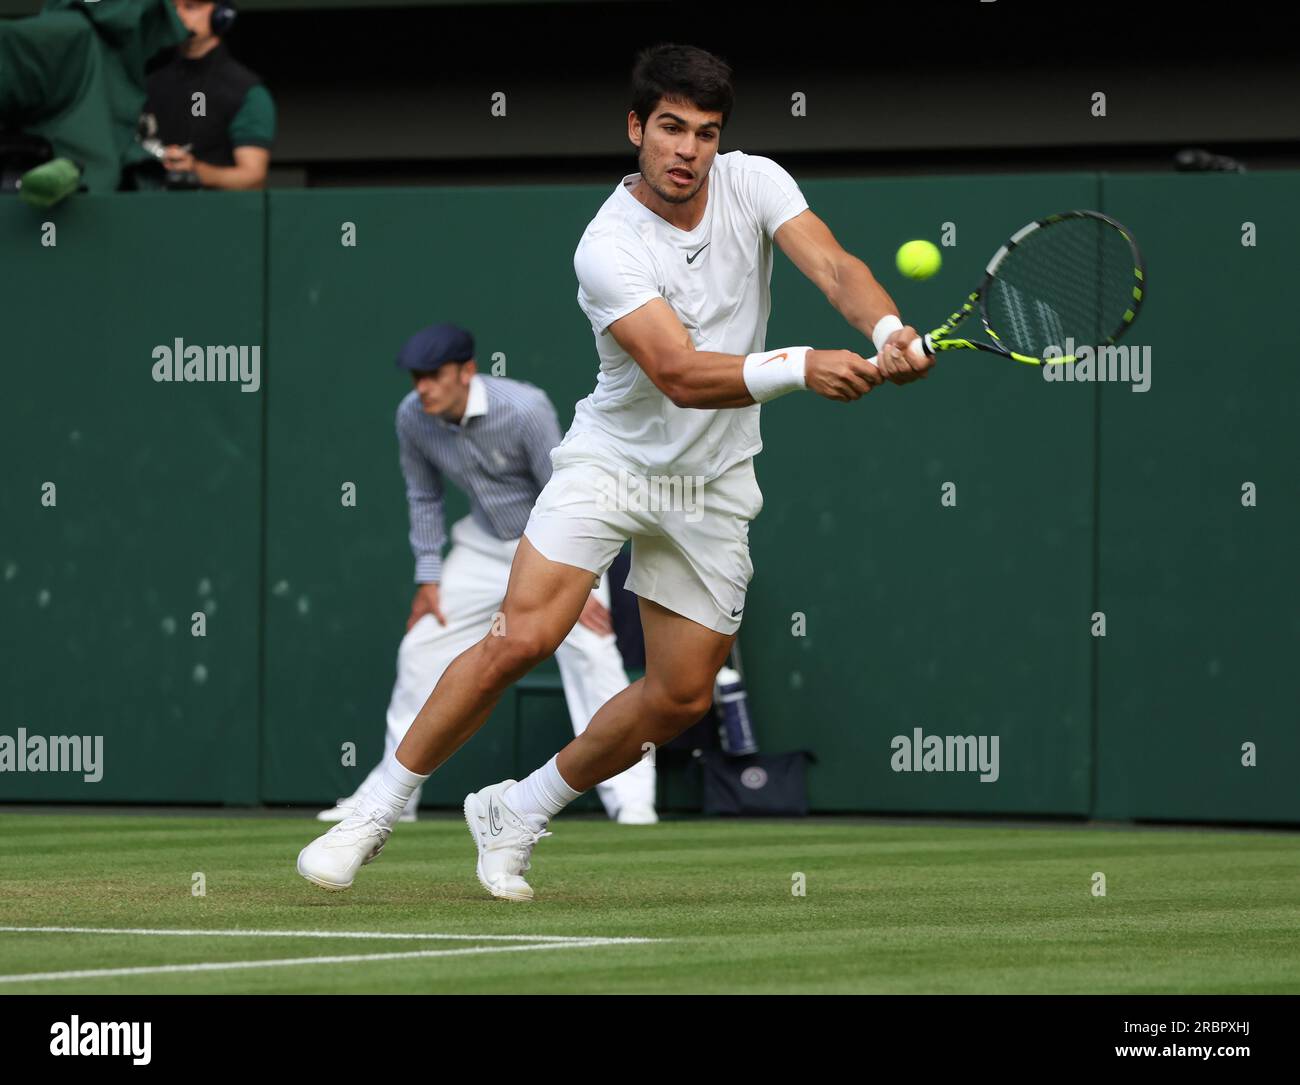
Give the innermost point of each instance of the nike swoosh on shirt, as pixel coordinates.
(691, 259)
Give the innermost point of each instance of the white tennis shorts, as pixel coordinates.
(690, 539)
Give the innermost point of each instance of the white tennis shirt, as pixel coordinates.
(717, 279)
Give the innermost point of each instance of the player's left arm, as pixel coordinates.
(851, 288)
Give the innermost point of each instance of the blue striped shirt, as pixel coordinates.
(500, 458)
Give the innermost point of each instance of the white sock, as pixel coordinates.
(544, 792)
(387, 797)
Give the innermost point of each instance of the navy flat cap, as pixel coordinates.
(435, 346)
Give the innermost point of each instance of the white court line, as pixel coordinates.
(327, 934)
(223, 966)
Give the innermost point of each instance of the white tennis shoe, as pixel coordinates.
(332, 861)
(348, 806)
(504, 840)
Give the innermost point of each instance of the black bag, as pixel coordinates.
(760, 785)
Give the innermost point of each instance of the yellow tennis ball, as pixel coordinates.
(918, 259)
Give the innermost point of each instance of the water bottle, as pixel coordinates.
(732, 703)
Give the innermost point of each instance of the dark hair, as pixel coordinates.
(681, 73)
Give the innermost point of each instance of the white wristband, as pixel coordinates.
(885, 327)
(775, 372)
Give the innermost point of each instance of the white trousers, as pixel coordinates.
(474, 578)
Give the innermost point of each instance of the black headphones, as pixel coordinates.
(223, 18)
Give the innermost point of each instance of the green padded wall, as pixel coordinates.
(1200, 592)
(158, 495)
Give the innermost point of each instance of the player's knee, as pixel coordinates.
(697, 706)
(510, 656)
(679, 707)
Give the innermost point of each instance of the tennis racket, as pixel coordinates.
(1076, 277)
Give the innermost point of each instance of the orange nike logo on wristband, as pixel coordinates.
(773, 358)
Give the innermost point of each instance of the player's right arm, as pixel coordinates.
(660, 344)
(619, 293)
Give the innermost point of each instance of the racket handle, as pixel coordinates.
(916, 350)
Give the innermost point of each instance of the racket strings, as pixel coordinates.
(1065, 285)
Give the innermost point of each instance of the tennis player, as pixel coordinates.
(674, 276)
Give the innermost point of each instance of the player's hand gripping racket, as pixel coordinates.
(1061, 282)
